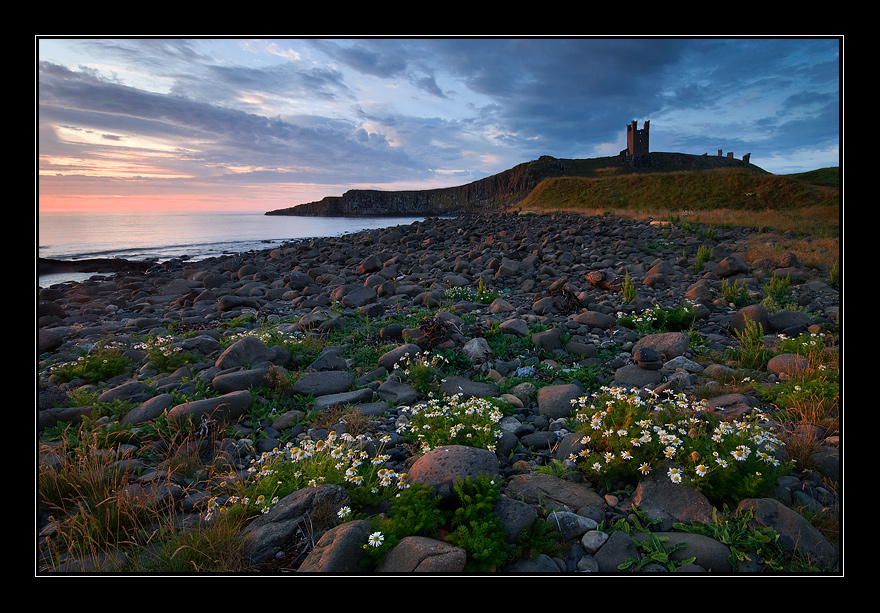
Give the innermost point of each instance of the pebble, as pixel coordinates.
(541, 265)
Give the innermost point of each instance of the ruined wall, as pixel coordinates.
(637, 149)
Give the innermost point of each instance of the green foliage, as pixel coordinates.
(556, 467)
(737, 294)
(416, 511)
(475, 526)
(776, 296)
(540, 537)
(481, 294)
(244, 321)
(469, 521)
(421, 369)
(703, 256)
(747, 541)
(504, 345)
(811, 346)
(104, 361)
(626, 435)
(163, 356)
(339, 459)
(629, 290)
(653, 549)
(454, 421)
(215, 547)
(659, 319)
(834, 276)
(752, 351)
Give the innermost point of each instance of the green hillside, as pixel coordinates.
(738, 195)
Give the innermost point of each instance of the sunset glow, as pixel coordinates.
(236, 124)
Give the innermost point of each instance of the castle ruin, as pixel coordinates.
(636, 152)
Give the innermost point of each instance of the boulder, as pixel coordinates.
(242, 380)
(442, 467)
(248, 351)
(711, 555)
(667, 345)
(227, 406)
(555, 401)
(787, 365)
(552, 492)
(753, 312)
(339, 550)
(266, 535)
(457, 385)
(323, 382)
(662, 499)
(796, 533)
(390, 359)
(420, 554)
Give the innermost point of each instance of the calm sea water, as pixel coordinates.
(140, 236)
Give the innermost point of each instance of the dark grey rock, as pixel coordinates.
(323, 383)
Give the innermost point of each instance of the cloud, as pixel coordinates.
(211, 137)
(421, 111)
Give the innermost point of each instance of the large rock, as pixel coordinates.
(788, 365)
(515, 516)
(442, 467)
(247, 351)
(397, 393)
(477, 350)
(267, 534)
(227, 406)
(632, 375)
(389, 359)
(617, 549)
(242, 380)
(753, 312)
(730, 266)
(552, 492)
(669, 502)
(124, 391)
(323, 383)
(359, 297)
(149, 410)
(595, 319)
(339, 550)
(420, 554)
(668, 345)
(710, 554)
(796, 533)
(463, 386)
(548, 340)
(555, 401)
(324, 403)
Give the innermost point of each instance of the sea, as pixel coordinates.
(194, 236)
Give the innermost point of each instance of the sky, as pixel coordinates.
(238, 124)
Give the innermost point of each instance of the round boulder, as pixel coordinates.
(442, 467)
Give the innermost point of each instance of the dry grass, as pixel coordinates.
(101, 520)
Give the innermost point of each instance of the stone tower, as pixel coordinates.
(637, 143)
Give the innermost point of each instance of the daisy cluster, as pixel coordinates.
(271, 336)
(340, 459)
(453, 420)
(421, 369)
(625, 433)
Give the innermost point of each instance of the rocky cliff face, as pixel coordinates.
(497, 191)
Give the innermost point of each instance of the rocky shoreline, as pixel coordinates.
(560, 271)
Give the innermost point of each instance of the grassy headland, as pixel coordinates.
(738, 196)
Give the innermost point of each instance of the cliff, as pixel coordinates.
(495, 192)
